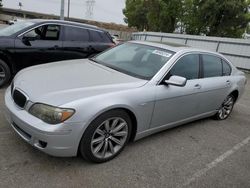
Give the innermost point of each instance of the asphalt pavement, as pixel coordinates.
(205, 153)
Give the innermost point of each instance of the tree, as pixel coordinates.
(1, 3)
(163, 15)
(200, 17)
(248, 29)
(216, 17)
(153, 15)
(136, 14)
(191, 17)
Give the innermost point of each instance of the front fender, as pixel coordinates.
(141, 106)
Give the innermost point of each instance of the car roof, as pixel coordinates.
(168, 46)
(66, 22)
(173, 47)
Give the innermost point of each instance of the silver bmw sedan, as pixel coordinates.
(96, 106)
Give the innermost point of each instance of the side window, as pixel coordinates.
(76, 34)
(46, 32)
(35, 33)
(187, 66)
(97, 36)
(105, 37)
(52, 32)
(226, 68)
(212, 66)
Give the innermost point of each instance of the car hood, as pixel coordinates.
(63, 82)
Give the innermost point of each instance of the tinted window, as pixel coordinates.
(46, 32)
(99, 36)
(226, 68)
(35, 33)
(76, 34)
(212, 66)
(52, 32)
(187, 66)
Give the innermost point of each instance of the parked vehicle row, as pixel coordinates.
(36, 42)
(95, 106)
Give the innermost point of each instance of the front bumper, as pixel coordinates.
(60, 140)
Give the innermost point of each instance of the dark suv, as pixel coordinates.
(35, 42)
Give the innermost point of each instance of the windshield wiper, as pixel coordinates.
(104, 64)
(112, 67)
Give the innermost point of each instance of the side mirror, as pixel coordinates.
(28, 38)
(176, 81)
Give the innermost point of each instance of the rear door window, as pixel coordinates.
(76, 34)
(52, 32)
(226, 68)
(99, 36)
(212, 66)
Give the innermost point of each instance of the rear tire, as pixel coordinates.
(106, 136)
(226, 108)
(5, 73)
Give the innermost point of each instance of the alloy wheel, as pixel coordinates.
(109, 138)
(226, 107)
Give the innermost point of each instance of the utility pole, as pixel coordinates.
(68, 7)
(62, 10)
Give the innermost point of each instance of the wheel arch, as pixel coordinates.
(4, 57)
(235, 93)
(134, 122)
(127, 110)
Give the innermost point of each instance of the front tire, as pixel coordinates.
(106, 136)
(226, 108)
(5, 73)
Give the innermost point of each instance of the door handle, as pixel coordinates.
(228, 83)
(197, 86)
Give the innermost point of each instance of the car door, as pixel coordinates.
(215, 84)
(174, 103)
(76, 42)
(39, 45)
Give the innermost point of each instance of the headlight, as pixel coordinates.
(50, 114)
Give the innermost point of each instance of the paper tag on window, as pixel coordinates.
(161, 53)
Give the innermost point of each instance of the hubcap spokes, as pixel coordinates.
(226, 108)
(109, 138)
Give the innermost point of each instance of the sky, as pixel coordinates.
(104, 10)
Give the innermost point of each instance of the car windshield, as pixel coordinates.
(141, 61)
(10, 30)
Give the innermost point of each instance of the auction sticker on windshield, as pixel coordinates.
(161, 53)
